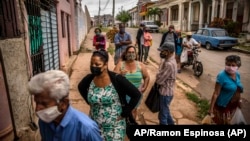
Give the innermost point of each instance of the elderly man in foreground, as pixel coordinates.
(58, 120)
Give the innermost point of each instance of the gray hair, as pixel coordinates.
(56, 82)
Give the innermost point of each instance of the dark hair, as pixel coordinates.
(171, 26)
(103, 54)
(98, 29)
(125, 52)
(233, 58)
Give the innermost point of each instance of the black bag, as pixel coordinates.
(153, 99)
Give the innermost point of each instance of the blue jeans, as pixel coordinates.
(164, 116)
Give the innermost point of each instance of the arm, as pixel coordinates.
(128, 41)
(116, 40)
(163, 38)
(103, 42)
(146, 77)
(217, 90)
(184, 44)
(163, 74)
(94, 41)
(93, 134)
(195, 43)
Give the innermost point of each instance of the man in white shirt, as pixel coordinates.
(187, 44)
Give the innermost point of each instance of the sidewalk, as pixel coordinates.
(183, 110)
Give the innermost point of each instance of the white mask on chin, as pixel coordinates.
(49, 114)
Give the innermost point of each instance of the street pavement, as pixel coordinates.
(183, 110)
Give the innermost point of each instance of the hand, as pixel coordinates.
(124, 72)
(211, 113)
(142, 90)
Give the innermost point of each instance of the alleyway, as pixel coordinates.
(184, 111)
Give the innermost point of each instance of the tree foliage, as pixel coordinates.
(123, 16)
(155, 11)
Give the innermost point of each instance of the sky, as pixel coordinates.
(107, 6)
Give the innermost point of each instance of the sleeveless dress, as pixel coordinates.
(135, 78)
(105, 109)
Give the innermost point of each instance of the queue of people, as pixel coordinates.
(103, 89)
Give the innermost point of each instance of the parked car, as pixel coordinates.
(151, 26)
(214, 38)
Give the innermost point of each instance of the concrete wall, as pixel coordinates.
(15, 63)
(81, 26)
(88, 18)
(67, 8)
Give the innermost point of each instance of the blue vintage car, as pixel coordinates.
(214, 38)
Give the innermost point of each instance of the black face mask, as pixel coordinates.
(95, 70)
(163, 55)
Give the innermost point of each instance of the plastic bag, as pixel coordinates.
(207, 120)
(184, 56)
(238, 118)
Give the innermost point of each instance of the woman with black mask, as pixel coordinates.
(104, 91)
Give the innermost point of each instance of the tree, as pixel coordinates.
(123, 16)
(155, 11)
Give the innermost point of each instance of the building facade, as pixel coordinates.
(189, 15)
(35, 36)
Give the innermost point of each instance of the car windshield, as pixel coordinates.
(219, 33)
(149, 23)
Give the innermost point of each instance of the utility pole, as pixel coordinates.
(99, 13)
(113, 13)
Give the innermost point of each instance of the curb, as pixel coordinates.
(240, 50)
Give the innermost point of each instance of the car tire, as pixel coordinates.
(208, 46)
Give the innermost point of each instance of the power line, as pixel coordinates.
(106, 5)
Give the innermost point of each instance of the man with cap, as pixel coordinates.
(140, 41)
(188, 43)
(165, 78)
(170, 36)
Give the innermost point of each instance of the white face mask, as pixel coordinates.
(231, 70)
(49, 114)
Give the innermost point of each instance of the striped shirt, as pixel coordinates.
(166, 76)
(136, 77)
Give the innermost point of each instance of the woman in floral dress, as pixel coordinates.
(100, 90)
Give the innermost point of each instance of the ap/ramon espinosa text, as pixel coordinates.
(191, 133)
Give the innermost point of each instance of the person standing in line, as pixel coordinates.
(147, 43)
(104, 91)
(227, 92)
(166, 78)
(140, 41)
(122, 40)
(99, 41)
(134, 71)
(178, 51)
(58, 120)
(170, 36)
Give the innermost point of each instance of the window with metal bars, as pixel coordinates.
(9, 27)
